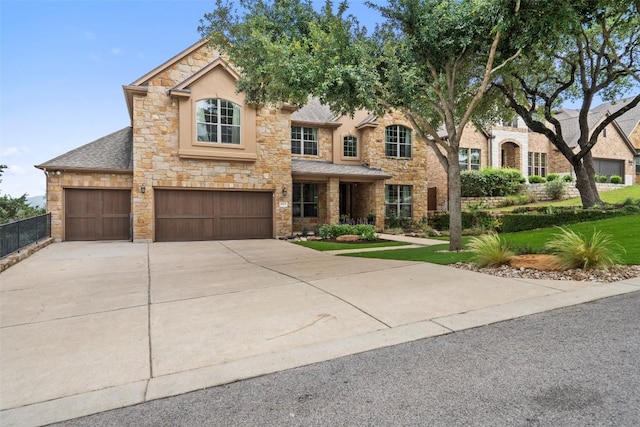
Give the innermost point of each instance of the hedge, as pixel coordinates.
(511, 223)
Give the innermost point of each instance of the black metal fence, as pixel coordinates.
(16, 235)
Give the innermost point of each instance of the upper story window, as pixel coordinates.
(350, 146)
(397, 141)
(218, 120)
(469, 159)
(304, 140)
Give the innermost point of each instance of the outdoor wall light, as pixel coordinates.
(143, 188)
(284, 190)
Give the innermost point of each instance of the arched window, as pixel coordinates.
(218, 120)
(397, 141)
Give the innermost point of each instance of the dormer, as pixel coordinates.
(215, 121)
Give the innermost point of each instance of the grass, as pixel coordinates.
(613, 197)
(624, 231)
(336, 246)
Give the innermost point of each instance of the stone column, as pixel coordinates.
(333, 201)
(377, 196)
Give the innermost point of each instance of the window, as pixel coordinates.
(638, 165)
(218, 121)
(305, 200)
(304, 140)
(398, 201)
(469, 158)
(537, 164)
(397, 141)
(350, 146)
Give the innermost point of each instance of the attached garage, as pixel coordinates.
(609, 167)
(97, 214)
(184, 215)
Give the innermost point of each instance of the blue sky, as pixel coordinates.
(62, 67)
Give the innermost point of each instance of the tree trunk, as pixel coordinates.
(585, 182)
(455, 205)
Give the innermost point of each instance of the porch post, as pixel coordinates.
(333, 201)
(378, 203)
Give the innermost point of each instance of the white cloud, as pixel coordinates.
(18, 180)
(15, 151)
(116, 50)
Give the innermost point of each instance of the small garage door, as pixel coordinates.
(183, 215)
(97, 214)
(609, 167)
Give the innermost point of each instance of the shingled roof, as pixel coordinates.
(324, 168)
(109, 153)
(315, 112)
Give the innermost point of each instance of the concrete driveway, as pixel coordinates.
(87, 327)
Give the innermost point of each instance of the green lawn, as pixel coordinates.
(336, 246)
(613, 197)
(624, 230)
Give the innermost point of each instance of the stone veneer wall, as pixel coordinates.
(412, 171)
(57, 183)
(157, 165)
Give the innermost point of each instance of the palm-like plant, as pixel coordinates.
(573, 250)
(489, 250)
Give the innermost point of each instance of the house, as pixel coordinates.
(198, 163)
(512, 145)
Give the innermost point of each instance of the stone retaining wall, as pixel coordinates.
(23, 253)
(538, 191)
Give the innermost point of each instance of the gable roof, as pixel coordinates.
(183, 88)
(625, 124)
(110, 153)
(315, 112)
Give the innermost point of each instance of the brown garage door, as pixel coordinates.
(97, 214)
(183, 215)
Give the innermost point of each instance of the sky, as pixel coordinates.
(63, 65)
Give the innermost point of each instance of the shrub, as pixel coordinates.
(525, 219)
(472, 184)
(489, 250)
(552, 177)
(573, 250)
(502, 182)
(555, 189)
(567, 178)
(616, 179)
(536, 179)
(600, 178)
(363, 231)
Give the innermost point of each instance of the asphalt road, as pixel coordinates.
(578, 366)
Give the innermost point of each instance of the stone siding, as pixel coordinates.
(158, 165)
(410, 171)
(56, 184)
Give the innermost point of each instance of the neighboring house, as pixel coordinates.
(512, 145)
(198, 163)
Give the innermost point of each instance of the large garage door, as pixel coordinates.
(609, 167)
(183, 215)
(97, 214)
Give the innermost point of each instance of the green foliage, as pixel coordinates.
(363, 231)
(536, 179)
(575, 251)
(600, 178)
(518, 199)
(16, 208)
(615, 179)
(489, 250)
(322, 245)
(567, 178)
(490, 182)
(555, 189)
(530, 221)
(480, 219)
(398, 222)
(552, 177)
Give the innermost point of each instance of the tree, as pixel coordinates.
(592, 49)
(431, 59)
(12, 209)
